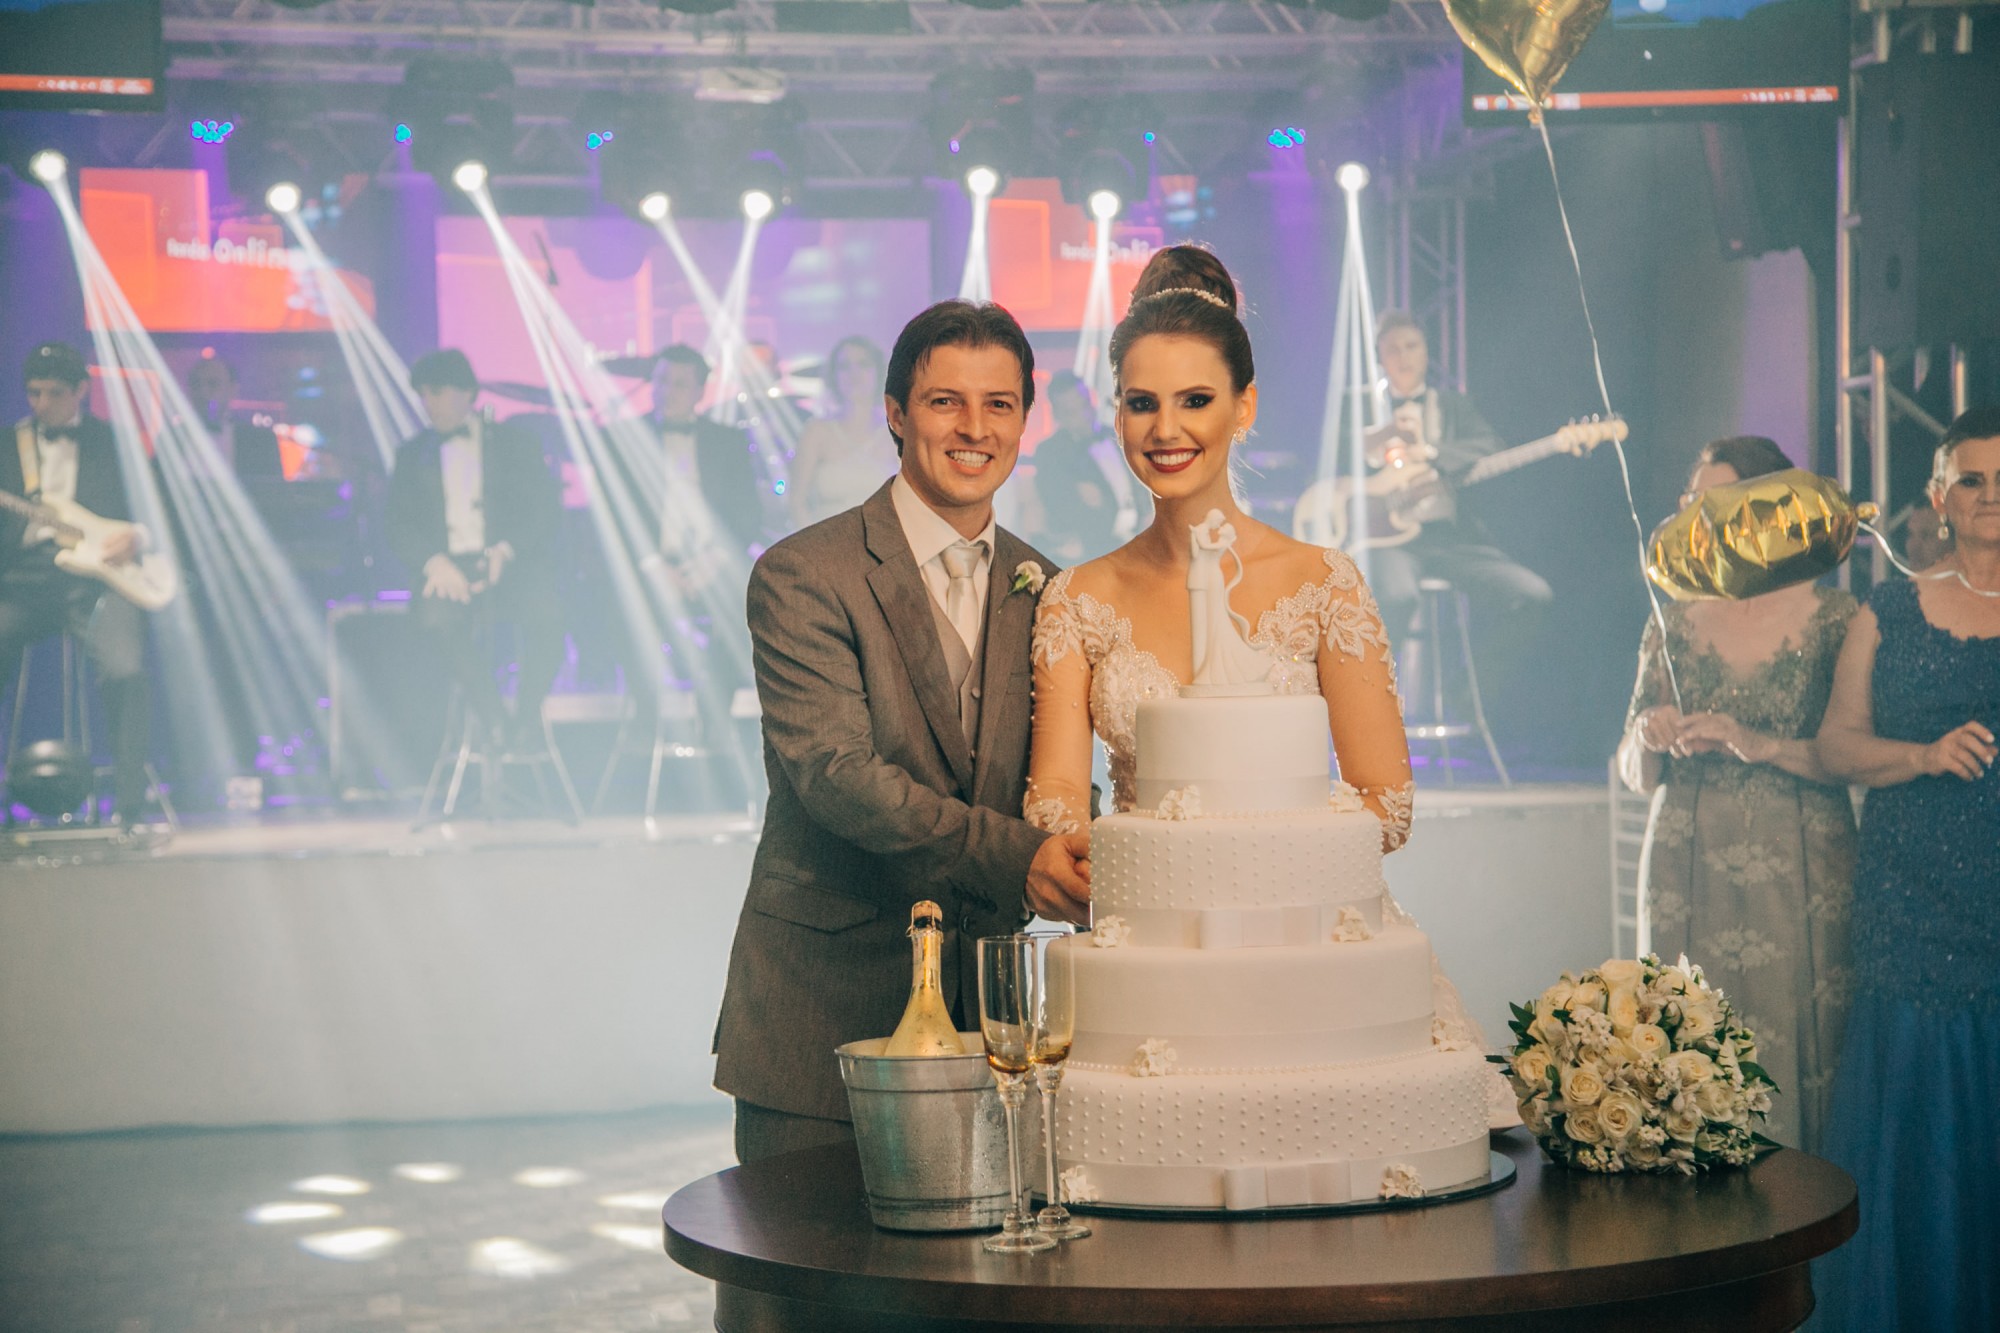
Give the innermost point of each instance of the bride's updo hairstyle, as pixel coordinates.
(1185, 292)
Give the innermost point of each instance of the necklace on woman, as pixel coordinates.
(1959, 570)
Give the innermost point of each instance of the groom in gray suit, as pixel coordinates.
(892, 666)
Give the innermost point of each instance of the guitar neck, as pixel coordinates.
(35, 513)
(1507, 460)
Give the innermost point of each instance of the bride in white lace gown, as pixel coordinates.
(1117, 630)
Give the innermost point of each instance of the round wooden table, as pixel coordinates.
(790, 1247)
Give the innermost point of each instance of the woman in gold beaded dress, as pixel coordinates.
(1748, 866)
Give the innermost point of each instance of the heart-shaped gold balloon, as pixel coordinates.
(1529, 43)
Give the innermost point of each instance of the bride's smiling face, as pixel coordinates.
(1178, 415)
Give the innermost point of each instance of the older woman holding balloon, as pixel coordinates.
(1749, 853)
(1914, 715)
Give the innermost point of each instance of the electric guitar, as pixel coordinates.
(1399, 499)
(148, 581)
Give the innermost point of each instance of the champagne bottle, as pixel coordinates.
(926, 1028)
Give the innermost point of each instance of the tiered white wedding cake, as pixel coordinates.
(1250, 1031)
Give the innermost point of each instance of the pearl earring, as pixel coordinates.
(1944, 531)
(1239, 437)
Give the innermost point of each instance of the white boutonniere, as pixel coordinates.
(1028, 578)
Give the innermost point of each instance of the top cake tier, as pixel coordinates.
(1242, 755)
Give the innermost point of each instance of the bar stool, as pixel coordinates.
(473, 746)
(75, 721)
(1429, 676)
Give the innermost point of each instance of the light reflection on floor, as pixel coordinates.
(540, 1225)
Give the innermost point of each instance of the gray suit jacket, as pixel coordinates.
(876, 802)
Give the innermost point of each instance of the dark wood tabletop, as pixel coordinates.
(790, 1246)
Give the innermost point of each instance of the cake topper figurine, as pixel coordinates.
(1224, 661)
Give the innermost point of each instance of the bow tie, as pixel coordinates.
(1396, 402)
(58, 434)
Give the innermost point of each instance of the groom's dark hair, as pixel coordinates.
(955, 324)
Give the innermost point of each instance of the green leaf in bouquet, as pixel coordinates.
(1754, 1072)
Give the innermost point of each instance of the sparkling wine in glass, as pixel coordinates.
(1055, 1028)
(1007, 1007)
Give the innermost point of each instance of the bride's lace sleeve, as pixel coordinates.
(1059, 749)
(1357, 676)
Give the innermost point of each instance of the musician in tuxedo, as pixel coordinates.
(473, 513)
(1442, 426)
(893, 669)
(61, 453)
(250, 450)
(703, 458)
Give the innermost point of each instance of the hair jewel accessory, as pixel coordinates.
(1207, 296)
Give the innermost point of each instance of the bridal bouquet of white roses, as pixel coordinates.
(1638, 1067)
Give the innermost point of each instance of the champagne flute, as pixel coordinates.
(1007, 984)
(1055, 1028)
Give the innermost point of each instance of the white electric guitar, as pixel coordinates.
(149, 581)
(1399, 500)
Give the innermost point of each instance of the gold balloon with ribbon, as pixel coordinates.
(1529, 43)
(1754, 536)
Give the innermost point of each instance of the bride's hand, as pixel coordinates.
(1058, 886)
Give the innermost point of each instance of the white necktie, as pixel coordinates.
(961, 600)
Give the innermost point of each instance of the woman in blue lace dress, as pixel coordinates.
(1916, 1104)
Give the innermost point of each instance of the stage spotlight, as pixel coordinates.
(1104, 204)
(1351, 177)
(655, 207)
(284, 197)
(469, 176)
(984, 182)
(757, 204)
(48, 166)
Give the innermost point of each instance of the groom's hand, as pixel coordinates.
(1059, 879)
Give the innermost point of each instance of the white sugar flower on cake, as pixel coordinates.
(1352, 927)
(1345, 799)
(1154, 1059)
(1181, 803)
(1401, 1181)
(1076, 1186)
(1108, 932)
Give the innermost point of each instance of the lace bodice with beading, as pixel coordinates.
(1337, 610)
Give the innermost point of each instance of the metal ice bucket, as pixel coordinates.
(932, 1136)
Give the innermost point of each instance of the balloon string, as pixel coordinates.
(1604, 393)
(1889, 552)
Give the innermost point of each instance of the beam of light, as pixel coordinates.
(1093, 340)
(354, 1246)
(701, 632)
(976, 283)
(655, 207)
(270, 630)
(509, 1256)
(1104, 204)
(1353, 400)
(292, 1210)
(48, 166)
(548, 1177)
(381, 380)
(429, 1173)
(774, 424)
(469, 176)
(643, 1239)
(638, 1201)
(330, 1185)
(284, 198)
(758, 205)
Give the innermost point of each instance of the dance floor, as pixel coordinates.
(505, 1226)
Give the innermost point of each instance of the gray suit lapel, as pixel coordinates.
(899, 591)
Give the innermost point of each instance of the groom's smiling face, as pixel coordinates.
(962, 431)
